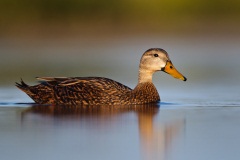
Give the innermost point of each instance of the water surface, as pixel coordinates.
(174, 131)
(198, 119)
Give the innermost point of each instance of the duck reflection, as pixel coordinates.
(155, 136)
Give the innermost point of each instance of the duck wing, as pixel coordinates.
(85, 90)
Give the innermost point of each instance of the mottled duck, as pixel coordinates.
(103, 91)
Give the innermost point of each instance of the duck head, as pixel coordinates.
(157, 59)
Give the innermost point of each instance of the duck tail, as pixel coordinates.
(22, 85)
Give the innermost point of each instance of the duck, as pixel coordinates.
(104, 91)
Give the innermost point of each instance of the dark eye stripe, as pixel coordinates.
(155, 55)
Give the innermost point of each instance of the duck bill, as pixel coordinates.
(170, 69)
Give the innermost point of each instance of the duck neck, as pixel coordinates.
(144, 76)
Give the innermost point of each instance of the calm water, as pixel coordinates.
(183, 130)
(198, 119)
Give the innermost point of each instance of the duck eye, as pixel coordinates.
(171, 67)
(155, 55)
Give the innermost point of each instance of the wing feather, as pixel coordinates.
(89, 90)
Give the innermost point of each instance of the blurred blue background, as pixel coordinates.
(197, 118)
(107, 38)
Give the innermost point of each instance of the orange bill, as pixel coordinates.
(170, 69)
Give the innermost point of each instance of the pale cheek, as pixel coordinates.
(157, 65)
(161, 64)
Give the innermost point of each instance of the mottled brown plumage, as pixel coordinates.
(103, 91)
